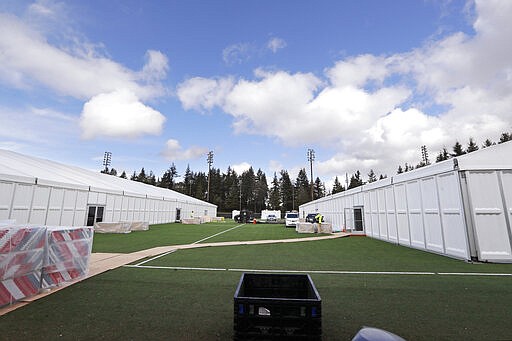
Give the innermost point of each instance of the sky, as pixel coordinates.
(258, 82)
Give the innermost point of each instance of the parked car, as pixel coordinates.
(310, 218)
(291, 219)
(271, 218)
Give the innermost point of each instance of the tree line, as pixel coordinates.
(250, 190)
(231, 191)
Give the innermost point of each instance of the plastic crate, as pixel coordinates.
(277, 307)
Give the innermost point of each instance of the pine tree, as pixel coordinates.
(134, 176)
(472, 146)
(337, 187)
(371, 176)
(488, 143)
(355, 180)
(286, 191)
(113, 172)
(274, 200)
(318, 189)
(457, 149)
(505, 137)
(443, 155)
(261, 191)
(168, 178)
(399, 170)
(302, 188)
(123, 175)
(188, 180)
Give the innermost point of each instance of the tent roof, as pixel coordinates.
(19, 167)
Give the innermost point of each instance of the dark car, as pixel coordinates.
(310, 218)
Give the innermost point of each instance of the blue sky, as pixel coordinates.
(363, 83)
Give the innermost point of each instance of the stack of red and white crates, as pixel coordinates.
(22, 251)
(68, 254)
(39, 257)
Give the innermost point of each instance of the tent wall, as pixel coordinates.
(425, 213)
(31, 203)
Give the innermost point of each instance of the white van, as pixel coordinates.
(291, 219)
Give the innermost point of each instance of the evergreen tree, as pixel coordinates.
(318, 189)
(472, 146)
(457, 149)
(232, 186)
(505, 137)
(302, 188)
(286, 191)
(371, 176)
(188, 181)
(168, 178)
(274, 201)
(355, 180)
(248, 180)
(113, 172)
(261, 191)
(443, 155)
(488, 143)
(150, 179)
(381, 177)
(123, 175)
(134, 176)
(400, 170)
(337, 186)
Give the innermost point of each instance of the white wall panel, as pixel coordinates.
(391, 215)
(402, 216)
(80, 208)
(452, 214)
(489, 216)
(415, 214)
(6, 192)
(381, 204)
(55, 206)
(109, 208)
(39, 205)
(367, 214)
(118, 205)
(431, 215)
(506, 179)
(374, 214)
(68, 207)
(21, 203)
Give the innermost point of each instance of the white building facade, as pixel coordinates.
(461, 207)
(42, 192)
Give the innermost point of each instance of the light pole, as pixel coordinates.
(311, 158)
(210, 162)
(107, 159)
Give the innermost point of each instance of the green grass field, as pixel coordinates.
(133, 303)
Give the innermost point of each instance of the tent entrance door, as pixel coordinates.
(178, 214)
(94, 214)
(358, 219)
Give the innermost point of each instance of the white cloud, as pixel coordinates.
(375, 110)
(203, 93)
(241, 167)
(174, 151)
(119, 114)
(275, 166)
(237, 53)
(275, 44)
(78, 69)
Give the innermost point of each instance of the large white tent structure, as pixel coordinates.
(38, 191)
(461, 207)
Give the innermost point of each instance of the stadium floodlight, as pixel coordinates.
(107, 159)
(209, 159)
(311, 158)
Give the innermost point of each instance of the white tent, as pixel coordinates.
(38, 191)
(461, 207)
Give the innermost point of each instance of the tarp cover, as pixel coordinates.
(112, 227)
(312, 228)
(67, 256)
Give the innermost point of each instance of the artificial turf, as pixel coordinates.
(177, 234)
(157, 304)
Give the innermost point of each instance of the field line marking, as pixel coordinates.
(202, 240)
(156, 257)
(326, 272)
